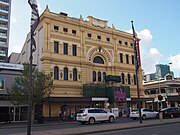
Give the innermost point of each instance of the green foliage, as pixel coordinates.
(42, 86)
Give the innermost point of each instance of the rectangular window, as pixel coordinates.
(56, 47)
(74, 32)
(127, 59)
(131, 44)
(89, 35)
(2, 83)
(121, 58)
(126, 43)
(108, 39)
(74, 50)
(65, 48)
(99, 37)
(133, 59)
(56, 28)
(120, 42)
(65, 30)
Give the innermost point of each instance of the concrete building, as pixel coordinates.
(168, 87)
(8, 72)
(82, 53)
(5, 11)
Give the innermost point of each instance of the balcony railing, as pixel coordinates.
(3, 17)
(6, 1)
(3, 35)
(4, 8)
(2, 43)
(2, 53)
(3, 26)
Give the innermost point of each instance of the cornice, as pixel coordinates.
(74, 21)
(62, 37)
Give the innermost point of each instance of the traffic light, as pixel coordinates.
(160, 97)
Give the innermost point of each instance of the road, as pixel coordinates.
(169, 129)
(132, 126)
(54, 126)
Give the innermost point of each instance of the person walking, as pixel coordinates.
(60, 116)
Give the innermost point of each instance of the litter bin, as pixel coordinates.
(40, 119)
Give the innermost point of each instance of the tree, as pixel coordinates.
(42, 86)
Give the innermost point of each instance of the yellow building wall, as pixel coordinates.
(87, 50)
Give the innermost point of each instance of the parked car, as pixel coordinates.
(145, 114)
(92, 115)
(171, 112)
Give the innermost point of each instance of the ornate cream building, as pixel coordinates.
(77, 52)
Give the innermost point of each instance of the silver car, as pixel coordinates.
(92, 115)
(145, 114)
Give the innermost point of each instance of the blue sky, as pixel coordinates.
(156, 22)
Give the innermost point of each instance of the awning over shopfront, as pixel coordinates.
(142, 99)
(67, 99)
(173, 98)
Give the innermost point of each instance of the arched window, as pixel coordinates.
(98, 60)
(134, 77)
(94, 76)
(99, 76)
(104, 76)
(122, 76)
(129, 79)
(65, 73)
(74, 74)
(56, 73)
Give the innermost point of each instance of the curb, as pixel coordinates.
(109, 130)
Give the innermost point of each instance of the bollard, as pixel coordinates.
(160, 115)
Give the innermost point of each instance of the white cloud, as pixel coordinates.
(175, 61)
(149, 56)
(39, 8)
(146, 37)
(154, 52)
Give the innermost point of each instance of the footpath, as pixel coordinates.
(90, 129)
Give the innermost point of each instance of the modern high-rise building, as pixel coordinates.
(5, 10)
(162, 70)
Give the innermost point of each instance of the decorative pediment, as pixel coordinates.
(97, 22)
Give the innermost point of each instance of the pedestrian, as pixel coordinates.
(60, 116)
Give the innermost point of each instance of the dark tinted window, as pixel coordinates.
(56, 28)
(56, 73)
(65, 73)
(89, 34)
(102, 111)
(92, 111)
(65, 48)
(65, 29)
(74, 50)
(56, 47)
(98, 60)
(94, 76)
(147, 110)
(81, 111)
(74, 32)
(121, 58)
(74, 74)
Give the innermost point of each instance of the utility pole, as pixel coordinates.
(137, 65)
